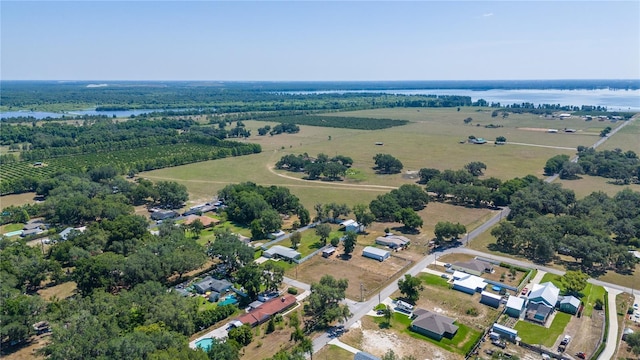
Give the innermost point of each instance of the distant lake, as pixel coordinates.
(613, 100)
(43, 114)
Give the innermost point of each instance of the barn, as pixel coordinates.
(375, 253)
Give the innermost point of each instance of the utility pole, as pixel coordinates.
(361, 293)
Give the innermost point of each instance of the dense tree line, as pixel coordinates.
(401, 205)
(623, 167)
(336, 121)
(260, 207)
(464, 187)
(597, 230)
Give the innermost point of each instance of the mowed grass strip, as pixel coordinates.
(533, 334)
(461, 342)
(431, 279)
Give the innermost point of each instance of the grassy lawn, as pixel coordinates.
(310, 242)
(10, 227)
(535, 334)
(61, 291)
(334, 352)
(589, 294)
(461, 343)
(431, 279)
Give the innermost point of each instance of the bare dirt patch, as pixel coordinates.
(28, 352)
(585, 333)
(61, 291)
(357, 270)
(533, 129)
(370, 338)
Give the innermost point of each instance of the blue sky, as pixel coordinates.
(329, 40)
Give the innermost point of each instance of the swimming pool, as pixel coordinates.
(13, 233)
(205, 344)
(229, 300)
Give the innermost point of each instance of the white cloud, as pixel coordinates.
(487, 14)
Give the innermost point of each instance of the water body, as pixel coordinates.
(613, 100)
(39, 115)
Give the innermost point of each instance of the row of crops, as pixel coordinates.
(23, 176)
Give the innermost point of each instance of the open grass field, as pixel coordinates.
(535, 334)
(588, 184)
(625, 139)
(17, 199)
(431, 140)
(59, 292)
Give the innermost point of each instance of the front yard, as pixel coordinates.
(533, 334)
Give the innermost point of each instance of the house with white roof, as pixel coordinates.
(279, 251)
(468, 283)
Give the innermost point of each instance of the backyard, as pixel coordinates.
(533, 334)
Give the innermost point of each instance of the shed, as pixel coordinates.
(570, 305)
(515, 306)
(505, 332)
(277, 234)
(350, 225)
(375, 253)
(490, 299)
(328, 252)
(279, 251)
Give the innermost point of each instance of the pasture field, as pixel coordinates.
(432, 139)
(628, 138)
(588, 184)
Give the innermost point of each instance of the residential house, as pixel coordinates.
(433, 325)
(265, 311)
(163, 215)
(393, 241)
(475, 267)
(468, 283)
(279, 251)
(211, 284)
(542, 300)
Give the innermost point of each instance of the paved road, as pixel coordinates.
(612, 336)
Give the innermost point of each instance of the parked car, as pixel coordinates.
(447, 265)
(445, 276)
(500, 344)
(525, 291)
(581, 355)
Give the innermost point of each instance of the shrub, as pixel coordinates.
(472, 311)
(292, 291)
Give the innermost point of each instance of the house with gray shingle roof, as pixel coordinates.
(433, 325)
